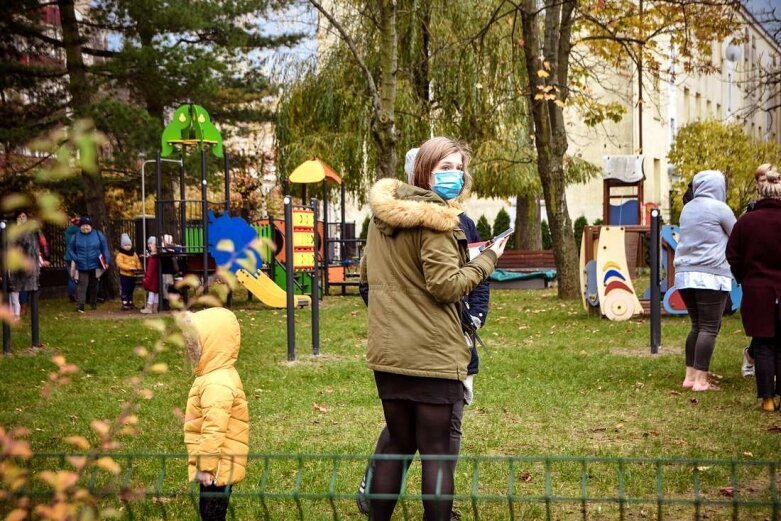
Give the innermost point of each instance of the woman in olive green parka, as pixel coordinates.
(417, 265)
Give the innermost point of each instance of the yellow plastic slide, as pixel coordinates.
(267, 291)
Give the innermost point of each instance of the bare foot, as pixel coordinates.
(705, 387)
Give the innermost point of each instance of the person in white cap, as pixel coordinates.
(128, 264)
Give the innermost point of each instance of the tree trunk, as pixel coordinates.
(81, 97)
(550, 51)
(563, 237)
(528, 232)
(384, 124)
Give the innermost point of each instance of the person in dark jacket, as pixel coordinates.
(753, 252)
(471, 316)
(89, 252)
(747, 368)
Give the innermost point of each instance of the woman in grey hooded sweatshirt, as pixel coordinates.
(702, 274)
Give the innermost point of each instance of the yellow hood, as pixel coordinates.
(219, 339)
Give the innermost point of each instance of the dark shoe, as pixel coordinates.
(80, 309)
(360, 498)
(455, 515)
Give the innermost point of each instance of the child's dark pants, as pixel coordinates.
(213, 503)
(127, 284)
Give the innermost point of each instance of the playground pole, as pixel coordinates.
(182, 204)
(227, 181)
(289, 287)
(204, 220)
(656, 293)
(34, 328)
(4, 271)
(315, 290)
(159, 227)
(326, 241)
(343, 245)
(229, 298)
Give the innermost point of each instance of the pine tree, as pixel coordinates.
(483, 228)
(501, 223)
(547, 241)
(580, 223)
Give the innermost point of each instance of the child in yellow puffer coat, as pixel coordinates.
(216, 423)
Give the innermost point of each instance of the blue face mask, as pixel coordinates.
(448, 183)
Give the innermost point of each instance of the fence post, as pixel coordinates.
(289, 274)
(315, 288)
(34, 323)
(4, 272)
(656, 293)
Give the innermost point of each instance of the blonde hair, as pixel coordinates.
(431, 152)
(762, 170)
(771, 189)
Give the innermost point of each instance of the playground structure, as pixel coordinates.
(339, 256)
(611, 253)
(202, 240)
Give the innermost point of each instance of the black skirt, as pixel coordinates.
(392, 386)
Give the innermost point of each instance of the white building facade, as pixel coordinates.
(670, 101)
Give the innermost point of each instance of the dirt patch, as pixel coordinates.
(110, 313)
(309, 359)
(645, 352)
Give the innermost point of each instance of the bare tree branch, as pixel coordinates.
(347, 39)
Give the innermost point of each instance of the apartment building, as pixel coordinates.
(735, 93)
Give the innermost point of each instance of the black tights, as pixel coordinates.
(415, 427)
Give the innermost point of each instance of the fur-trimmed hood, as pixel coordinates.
(399, 205)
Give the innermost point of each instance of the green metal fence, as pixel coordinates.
(309, 487)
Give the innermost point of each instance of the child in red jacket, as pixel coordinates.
(150, 283)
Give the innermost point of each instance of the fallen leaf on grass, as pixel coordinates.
(727, 491)
(775, 429)
(526, 476)
(694, 401)
(675, 393)
(319, 408)
(748, 454)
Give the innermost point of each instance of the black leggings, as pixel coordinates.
(705, 307)
(415, 427)
(767, 362)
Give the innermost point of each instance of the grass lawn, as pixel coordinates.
(552, 381)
